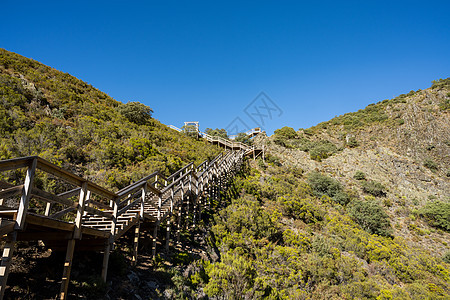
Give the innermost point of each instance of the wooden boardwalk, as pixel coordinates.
(89, 217)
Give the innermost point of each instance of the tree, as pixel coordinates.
(286, 132)
(217, 132)
(243, 138)
(136, 112)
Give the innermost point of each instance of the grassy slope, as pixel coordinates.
(54, 115)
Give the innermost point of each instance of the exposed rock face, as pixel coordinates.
(408, 153)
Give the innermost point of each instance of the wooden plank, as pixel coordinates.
(98, 212)
(59, 172)
(12, 191)
(95, 232)
(49, 197)
(124, 209)
(101, 191)
(70, 193)
(135, 195)
(100, 205)
(16, 163)
(126, 228)
(61, 213)
(47, 222)
(131, 189)
(5, 185)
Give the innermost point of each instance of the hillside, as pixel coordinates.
(354, 208)
(54, 115)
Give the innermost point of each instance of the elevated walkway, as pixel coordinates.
(89, 217)
(229, 144)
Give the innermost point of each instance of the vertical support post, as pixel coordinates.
(48, 208)
(8, 252)
(106, 261)
(158, 222)
(200, 199)
(67, 268)
(155, 232)
(136, 242)
(168, 219)
(180, 211)
(26, 195)
(84, 194)
(166, 248)
(109, 243)
(195, 200)
(189, 198)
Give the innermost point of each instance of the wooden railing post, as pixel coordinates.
(189, 199)
(195, 204)
(139, 216)
(136, 242)
(48, 208)
(26, 195)
(200, 199)
(71, 243)
(8, 250)
(158, 222)
(110, 242)
(168, 220)
(84, 197)
(180, 211)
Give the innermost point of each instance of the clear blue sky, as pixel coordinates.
(207, 60)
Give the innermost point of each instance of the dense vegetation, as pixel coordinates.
(285, 237)
(65, 120)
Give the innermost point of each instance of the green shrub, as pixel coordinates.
(359, 175)
(352, 142)
(321, 150)
(341, 198)
(274, 160)
(243, 138)
(324, 185)
(286, 132)
(301, 209)
(430, 164)
(261, 164)
(437, 214)
(446, 257)
(371, 217)
(136, 112)
(280, 141)
(222, 133)
(374, 188)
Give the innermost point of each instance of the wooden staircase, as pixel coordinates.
(89, 217)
